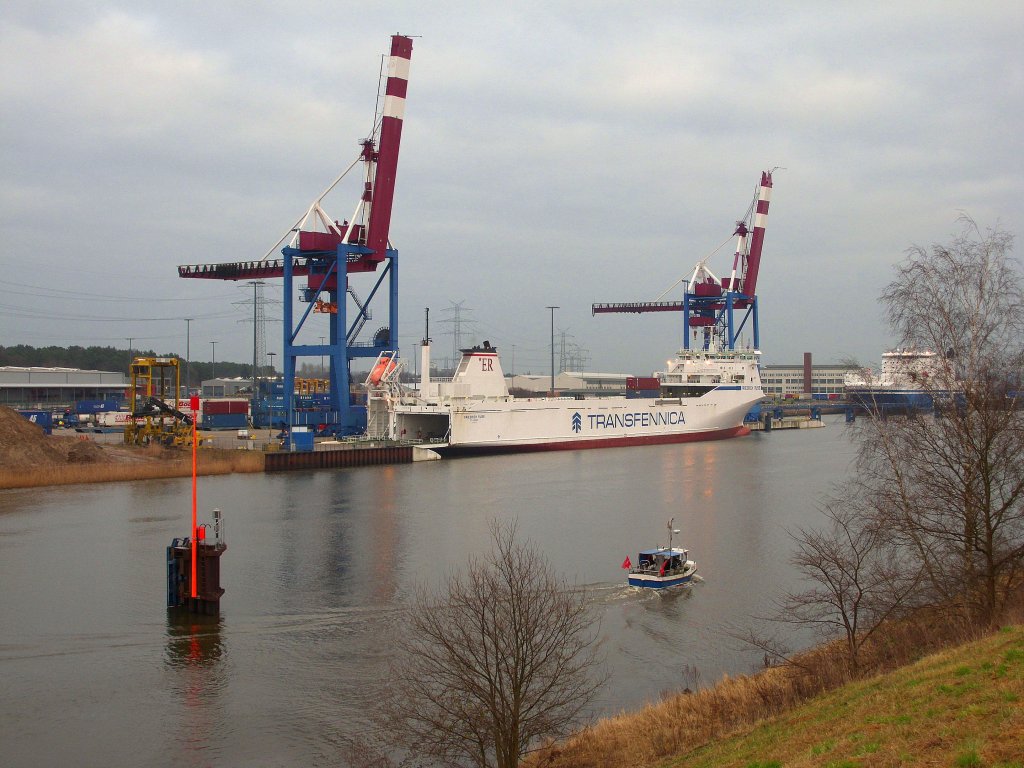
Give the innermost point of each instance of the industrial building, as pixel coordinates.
(227, 387)
(779, 381)
(52, 388)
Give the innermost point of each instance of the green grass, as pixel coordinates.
(959, 708)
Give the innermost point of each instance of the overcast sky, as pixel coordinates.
(553, 153)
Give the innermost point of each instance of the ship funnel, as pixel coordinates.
(480, 372)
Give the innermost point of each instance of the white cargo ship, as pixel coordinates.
(704, 395)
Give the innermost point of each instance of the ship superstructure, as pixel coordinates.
(910, 378)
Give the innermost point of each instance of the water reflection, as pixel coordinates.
(193, 640)
(194, 657)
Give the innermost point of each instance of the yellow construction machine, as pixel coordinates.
(156, 417)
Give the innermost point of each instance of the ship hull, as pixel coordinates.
(580, 445)
(540, 424)
(894, 399)
(653, 581)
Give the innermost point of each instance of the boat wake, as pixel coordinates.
(611, 593)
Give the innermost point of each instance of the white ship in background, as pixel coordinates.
(910, 378)
(704, 393)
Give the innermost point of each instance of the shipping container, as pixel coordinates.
(43, 418)
(302, 439)
(218, 407)
(224, 420)
(113, 419)
(96, 406)
(638, 394)
(642, 382)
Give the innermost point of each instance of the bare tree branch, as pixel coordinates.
(504, 657)
(950, 486)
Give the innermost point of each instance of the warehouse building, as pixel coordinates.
(57, 388)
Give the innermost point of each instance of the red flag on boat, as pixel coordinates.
(626, 564)
(663, 564)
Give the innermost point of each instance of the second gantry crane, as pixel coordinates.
(326, 252)
(716, 310)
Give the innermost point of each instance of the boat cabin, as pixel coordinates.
(651, 560)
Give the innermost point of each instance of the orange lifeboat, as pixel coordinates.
(383, 367)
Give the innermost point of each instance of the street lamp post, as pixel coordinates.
(553, 347)
(130, 339)
(270, 390)
(188, 355)
(213, 365)
(255, 334)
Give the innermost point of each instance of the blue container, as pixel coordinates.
(302, 439)
(642, 394)
(225, 420)
(96, 406)
(43, 418)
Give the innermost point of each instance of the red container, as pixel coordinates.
(642, 382)
(221, 407)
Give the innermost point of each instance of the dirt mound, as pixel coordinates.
(86, 452)
(29, 458)
(23, 444)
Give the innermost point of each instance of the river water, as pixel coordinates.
(319, 564)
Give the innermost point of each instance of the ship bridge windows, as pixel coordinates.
(686, 390)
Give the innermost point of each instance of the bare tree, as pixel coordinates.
(503, 658)
(950, 487)
(857, 579)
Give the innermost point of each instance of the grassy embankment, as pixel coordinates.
(146, 464)
(961, 706)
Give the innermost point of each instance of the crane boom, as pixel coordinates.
(363, 246)
(637, 307)
(383, 191)
(764, 198)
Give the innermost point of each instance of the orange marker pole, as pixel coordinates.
(194, 402)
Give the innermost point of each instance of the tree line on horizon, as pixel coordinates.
(96, 358)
